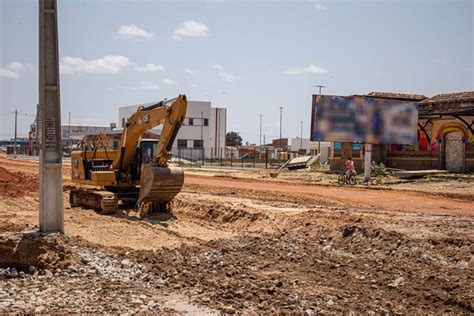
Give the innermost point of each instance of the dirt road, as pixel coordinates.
(246, 245)
(355, 197)
(391, 200)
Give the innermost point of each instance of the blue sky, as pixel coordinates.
(251, 57)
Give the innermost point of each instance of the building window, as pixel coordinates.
(115, 144)
(182, 143)
(191, 121)
(198, 143)
(206, 122)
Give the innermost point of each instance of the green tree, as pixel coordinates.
(233, 139)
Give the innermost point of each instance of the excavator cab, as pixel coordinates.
(144, 154)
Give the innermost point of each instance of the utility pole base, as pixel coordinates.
(51, 198)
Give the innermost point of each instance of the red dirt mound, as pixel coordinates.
(16, 184)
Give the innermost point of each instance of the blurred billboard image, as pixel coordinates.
(359, 119)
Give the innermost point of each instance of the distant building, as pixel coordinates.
(73, 132)
(202, 134)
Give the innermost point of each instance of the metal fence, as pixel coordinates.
(235, 158)
(209, 157)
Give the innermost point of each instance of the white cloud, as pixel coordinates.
(169, 82)
(190, 28)
(110, 64)
(310, 69)
(189, 71)
(228, 76)
(149, 68)
(194, 85)
(133, 31)
(19, 67)
(320, 7)
(146, 85)
(7, 73)
(14, 70)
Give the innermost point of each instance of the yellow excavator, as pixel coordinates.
(138, 173)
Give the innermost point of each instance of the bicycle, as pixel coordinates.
(347, 179)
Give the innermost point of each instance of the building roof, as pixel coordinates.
(466, 96)
(397, 96)
(458, 103)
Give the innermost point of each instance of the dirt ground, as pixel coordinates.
(249, 243)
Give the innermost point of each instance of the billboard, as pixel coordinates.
(358, 119)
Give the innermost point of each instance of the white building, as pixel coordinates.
(311, 147)
(203, 131)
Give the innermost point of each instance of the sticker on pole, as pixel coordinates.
(359, 119)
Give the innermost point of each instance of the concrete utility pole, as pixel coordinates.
(37, 128)
(51, 217)
(320, 86)
(301, 136)
(16, 119)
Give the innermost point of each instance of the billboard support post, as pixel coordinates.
(367, 162)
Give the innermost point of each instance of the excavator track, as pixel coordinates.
(101, 201)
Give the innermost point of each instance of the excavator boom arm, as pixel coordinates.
(170, 113)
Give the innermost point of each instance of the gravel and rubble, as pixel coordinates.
(321, 270)
(99, 283)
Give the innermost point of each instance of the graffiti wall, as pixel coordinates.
(432, 133)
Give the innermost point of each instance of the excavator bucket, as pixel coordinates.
(160, 184)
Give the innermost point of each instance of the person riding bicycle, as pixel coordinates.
(349, 167)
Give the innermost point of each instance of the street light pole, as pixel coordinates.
(260, 138)
(281, 120)
(69, 122)
(202, 140)
(16, 118)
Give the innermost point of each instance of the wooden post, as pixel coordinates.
(51, 215)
